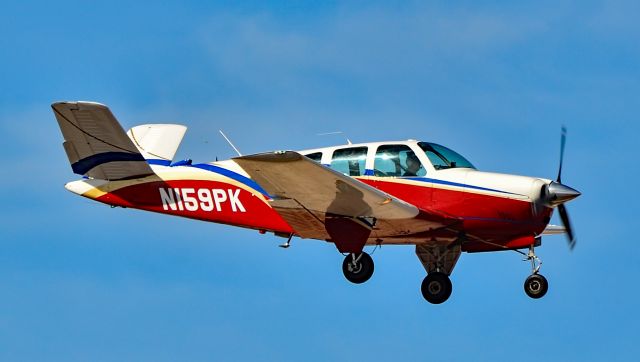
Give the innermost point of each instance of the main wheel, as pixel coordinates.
(357, 268)
(436, 287)
(536, 286)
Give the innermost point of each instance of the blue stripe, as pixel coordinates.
(442, 182)
(254, 185)
(232, 175)
(449, 183)
(153, 161)
(186, 162)
(84, 165)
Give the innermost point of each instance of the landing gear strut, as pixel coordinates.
(535, 285)
(357, 268)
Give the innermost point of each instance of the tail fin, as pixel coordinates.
(157, 143)
(96, 144)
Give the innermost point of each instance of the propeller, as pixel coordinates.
(563, 141)
(566, 222)
(557, 194)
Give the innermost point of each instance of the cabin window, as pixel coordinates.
(443, 158)
(397, 160)
(350, 161)
(316, 156)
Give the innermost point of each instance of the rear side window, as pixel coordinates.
(350, 161)
(397, 160)
(316, 156)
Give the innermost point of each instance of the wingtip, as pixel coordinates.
(89, 103)
(56, 105)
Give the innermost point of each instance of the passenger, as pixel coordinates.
(413, 165)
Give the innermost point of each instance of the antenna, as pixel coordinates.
(333, 133)
(234, 147)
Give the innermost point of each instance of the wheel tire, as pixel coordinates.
(536, 286)
(362, 271)
(436, 287)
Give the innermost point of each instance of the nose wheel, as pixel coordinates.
(357, 268)
(536, 284)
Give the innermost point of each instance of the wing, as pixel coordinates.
(315, 200)
(291, 176)
(96, 144)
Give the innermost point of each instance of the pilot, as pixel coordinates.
(413, 165)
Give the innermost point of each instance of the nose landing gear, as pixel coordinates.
(535, 285)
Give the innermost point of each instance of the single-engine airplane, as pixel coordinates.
(378, 193)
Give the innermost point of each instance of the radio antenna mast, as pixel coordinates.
(333, 133)
(229, 141)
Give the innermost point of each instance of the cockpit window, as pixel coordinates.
(397, 160)
(316, 156)
(443, 158)
(350, 161)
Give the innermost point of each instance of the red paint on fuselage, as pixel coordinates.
(497, 219)
(147, 196)
(493, 218)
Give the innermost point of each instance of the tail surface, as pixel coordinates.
(157, 143)
(96, 144)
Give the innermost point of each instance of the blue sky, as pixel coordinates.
(495, 81)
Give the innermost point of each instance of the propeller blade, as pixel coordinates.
(564, 216)
(563, 141)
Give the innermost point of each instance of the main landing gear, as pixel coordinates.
(535, 285)
(438, 261)
(357, 268)
(436, 287)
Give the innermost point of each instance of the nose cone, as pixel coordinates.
(559, 193)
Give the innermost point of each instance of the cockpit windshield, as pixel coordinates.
(444, 158)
